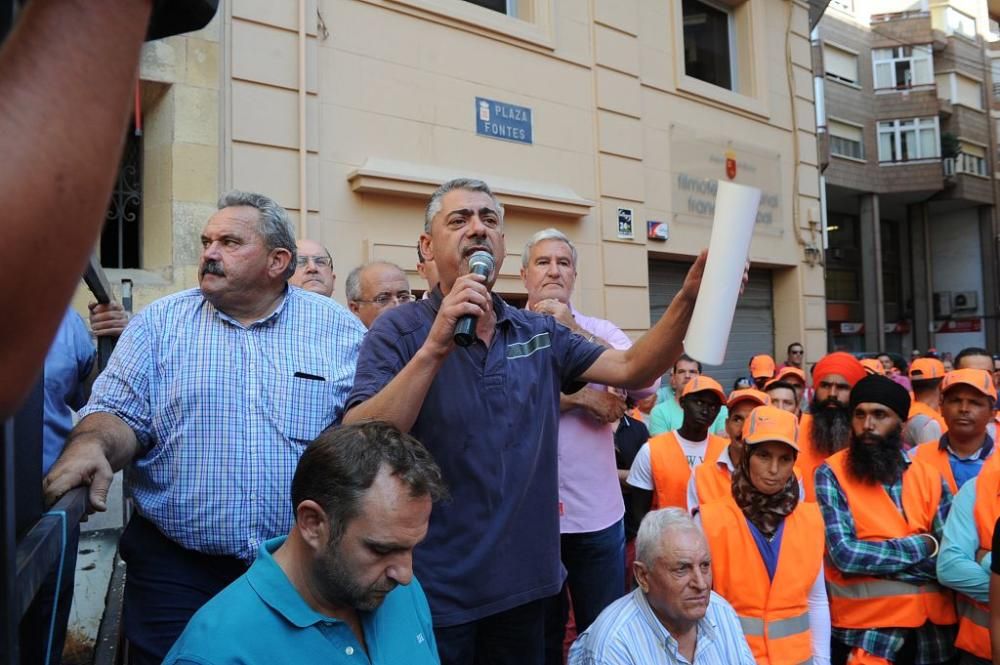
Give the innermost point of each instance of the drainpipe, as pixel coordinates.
(819, 97)
(303, 152)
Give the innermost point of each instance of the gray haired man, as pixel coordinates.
(209, 399)
(375, 288)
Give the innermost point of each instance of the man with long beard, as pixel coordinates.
(884, 515)
(827, 427)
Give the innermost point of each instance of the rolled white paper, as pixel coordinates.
(728, 249)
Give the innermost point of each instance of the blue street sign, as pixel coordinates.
(499, 120)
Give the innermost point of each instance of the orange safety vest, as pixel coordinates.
(809, 458)
(860, 601)
(671, 471)
(921, 409)
(931, 453)
(774, 613)
(973, 616)
(714, 481)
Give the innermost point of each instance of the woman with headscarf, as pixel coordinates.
(767, 547)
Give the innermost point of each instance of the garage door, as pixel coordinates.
(753, 326)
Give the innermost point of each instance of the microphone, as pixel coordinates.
(480, 263)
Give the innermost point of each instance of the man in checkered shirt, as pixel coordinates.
(208, 401)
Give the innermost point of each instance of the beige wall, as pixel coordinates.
(390, 90)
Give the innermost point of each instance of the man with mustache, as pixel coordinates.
(489, 414)
(340, 586)
(884, 515)
(827, 427)
(591, 515)
(209, 399)
(966, 549)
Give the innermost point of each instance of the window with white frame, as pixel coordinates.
(994, 30)
(508, 7)
(960, 23)
(907, 140)
(995, 76)
(846, 140)
(840, 64)
(971, 158)
(903, 66)
(959, 89)
(709, 31)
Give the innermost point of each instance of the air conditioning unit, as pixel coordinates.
(942, 304)
(964, 301)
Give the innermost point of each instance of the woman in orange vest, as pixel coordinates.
(767, 547)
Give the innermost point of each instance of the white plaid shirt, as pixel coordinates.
(223, 411)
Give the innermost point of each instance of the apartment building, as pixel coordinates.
(611, 120)
(909, 164)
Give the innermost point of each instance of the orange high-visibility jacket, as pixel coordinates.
(671, 471)
(714, 481)
(809, 458)
(930, 452)
(860, 601)
(774, 614)
(973, 616)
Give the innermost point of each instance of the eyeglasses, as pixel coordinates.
(796, 352)
(383, 299)
(320, 261)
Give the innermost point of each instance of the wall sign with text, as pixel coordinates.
(499, 120)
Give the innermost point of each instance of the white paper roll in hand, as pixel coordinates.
(732, 229)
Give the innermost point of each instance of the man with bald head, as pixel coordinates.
(376, 287)
(313, 268)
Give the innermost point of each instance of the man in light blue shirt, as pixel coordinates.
(209, 400)
(673, 617)
(668, 415)
(340, 587)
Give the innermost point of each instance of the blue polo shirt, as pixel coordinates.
(261, 618)
(491, 420)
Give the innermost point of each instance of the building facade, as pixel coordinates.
(610, 120)
(909, 161)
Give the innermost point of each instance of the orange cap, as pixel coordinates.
(979, 379)
(788, 371)
(873, 366)
(923, 369)
(748, 395)
(769, 423)
(702, 383)
(762, 365)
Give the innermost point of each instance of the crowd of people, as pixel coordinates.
(315, 483)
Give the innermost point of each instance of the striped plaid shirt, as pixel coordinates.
(904, 559)
(628, 633)
(222, 411)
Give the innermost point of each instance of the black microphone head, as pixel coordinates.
(482, 263)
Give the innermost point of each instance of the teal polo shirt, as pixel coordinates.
(261, 618)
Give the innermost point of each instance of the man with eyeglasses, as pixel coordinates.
(376, 287)
(313, 268)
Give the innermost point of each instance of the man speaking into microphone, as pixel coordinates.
(489, 413)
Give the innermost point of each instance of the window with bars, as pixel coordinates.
(121, 237)
(908, 140)
(903, 66)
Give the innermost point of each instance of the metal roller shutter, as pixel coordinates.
(753, 325)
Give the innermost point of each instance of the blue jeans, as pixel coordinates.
(595, 578)
(165, 585)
